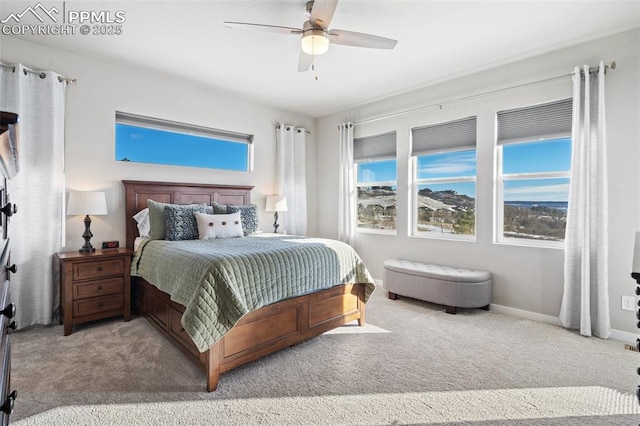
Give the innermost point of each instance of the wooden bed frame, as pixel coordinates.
(259, 333)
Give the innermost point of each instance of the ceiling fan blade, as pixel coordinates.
(304, 62)
(322, 12)
(352, 38)
(262, 27)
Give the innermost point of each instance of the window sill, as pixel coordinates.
(556, 245)
(445, 237)
(392, 232)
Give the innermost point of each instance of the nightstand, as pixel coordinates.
(94, 286)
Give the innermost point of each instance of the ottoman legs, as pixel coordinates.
(393, 296)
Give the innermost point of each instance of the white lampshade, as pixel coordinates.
(314, 42)
(276, 203)
(87, 203)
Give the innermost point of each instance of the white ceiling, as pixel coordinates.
(437, 40)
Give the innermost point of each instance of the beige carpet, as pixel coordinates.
(412, 364)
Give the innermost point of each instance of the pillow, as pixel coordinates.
(142, 219)
(249, 215)
(157, 223)
(219, 208)
(219, 225)
(156, 220)
(180, 222)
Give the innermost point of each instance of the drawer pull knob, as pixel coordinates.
(7, 405)
(13, 325)
(100, 305)
(9, 311)
(99, 268)
(13, 268)
(155, 309)
(9, 209)
(99, 287)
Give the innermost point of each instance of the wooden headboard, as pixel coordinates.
(138, 192)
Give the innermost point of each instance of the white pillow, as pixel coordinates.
(219, 225)
(142, 218)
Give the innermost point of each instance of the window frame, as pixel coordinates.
(441, 180)
(500, 180)
(550, 121)
(455, 135)
(179, 128)
(369, 184)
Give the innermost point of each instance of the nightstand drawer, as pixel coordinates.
(98, 288)
(97, 269)
(96, 305)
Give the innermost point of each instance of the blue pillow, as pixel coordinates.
(249, 218)
(180, 221)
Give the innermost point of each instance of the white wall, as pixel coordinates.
(103, 88)
(525, 278)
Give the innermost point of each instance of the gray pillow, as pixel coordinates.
(180, 221)
(219, 208)
(249, 218)
(157, 222)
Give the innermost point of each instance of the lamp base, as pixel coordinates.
(275, 223)
(87, 247)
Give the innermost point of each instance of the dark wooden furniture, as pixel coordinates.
(8, 169)
(94, 286)
(259, 333)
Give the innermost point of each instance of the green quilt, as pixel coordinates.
(219, 281)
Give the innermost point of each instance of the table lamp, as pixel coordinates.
(276, 203)
(86, 203)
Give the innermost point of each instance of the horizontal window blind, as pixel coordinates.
(176, 127)
(538, 122)
(377, 147)
(453, 135)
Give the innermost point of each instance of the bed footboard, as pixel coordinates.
(259, 333)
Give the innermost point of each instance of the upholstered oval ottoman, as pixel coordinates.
(445, 285)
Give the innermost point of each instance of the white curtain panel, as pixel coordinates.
(585, 302)
(346, 188)
(36, 230)
(291, 177)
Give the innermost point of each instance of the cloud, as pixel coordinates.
(559, 192)
(450, 164)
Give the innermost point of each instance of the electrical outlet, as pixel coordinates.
(627, 303)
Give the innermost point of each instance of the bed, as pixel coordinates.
(259, 332)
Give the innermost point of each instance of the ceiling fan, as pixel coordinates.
(316, 34)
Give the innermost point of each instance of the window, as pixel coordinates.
(375, 160)
(444, 193)
(534, 169)
(150, 140)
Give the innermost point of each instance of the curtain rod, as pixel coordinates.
(41, 74)
(299, 129)
(611, 66)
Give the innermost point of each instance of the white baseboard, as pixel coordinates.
(622, 336)
(520, 313)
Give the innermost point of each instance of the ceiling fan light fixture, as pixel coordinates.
(314, 42)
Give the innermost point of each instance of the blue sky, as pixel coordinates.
(528, 157)
(145, 145)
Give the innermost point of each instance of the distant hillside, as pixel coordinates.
(449, 197)
(450, 212)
